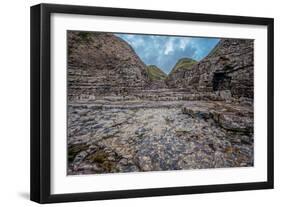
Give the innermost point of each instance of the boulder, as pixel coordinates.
(194, 111)
(236, 123)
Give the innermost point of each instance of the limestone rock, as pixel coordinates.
(100, 64)
(179, 71)
(156, 77)
(225, 94)
(195, 111)
(229, 67)
(236, 123)
(122, 118)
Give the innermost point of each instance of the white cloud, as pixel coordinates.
(183, 42)
(169, 46)
(176, 43)
(164, 51)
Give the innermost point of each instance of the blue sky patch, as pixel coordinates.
(165, 51)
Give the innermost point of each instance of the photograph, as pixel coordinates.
(140, 103)
(132, 103)
(151, 102)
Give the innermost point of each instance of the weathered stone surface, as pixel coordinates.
(228, 116)
(122, 120)
(225, 94)
(178, 72)
(228, 67)
(236, 123)
(156, 77)
(195, 111)
(100, 64)
(186, 135)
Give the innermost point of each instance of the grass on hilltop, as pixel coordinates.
(155, 73)
(185, 63)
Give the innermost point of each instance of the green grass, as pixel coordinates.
(185, 63)
(155, 73)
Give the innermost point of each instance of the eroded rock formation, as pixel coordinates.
(156, 77)
(102, 64)
(179, 72)
(125, 117)
(228, 70)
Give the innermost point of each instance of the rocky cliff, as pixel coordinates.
(156, 77)
(179, 71)
(122, 117)
(102, 64)
(227, 70)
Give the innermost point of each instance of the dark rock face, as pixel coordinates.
(229, 67)
(101, 63)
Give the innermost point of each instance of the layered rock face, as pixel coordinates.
(156, 77)
(102, 64)
(227, 70)
(124, 116)
(179, 72)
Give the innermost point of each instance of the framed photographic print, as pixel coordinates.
(133, 103)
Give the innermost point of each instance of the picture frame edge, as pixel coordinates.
(40, 100)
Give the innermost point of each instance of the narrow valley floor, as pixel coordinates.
(106, 136)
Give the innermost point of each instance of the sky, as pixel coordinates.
(165, 51)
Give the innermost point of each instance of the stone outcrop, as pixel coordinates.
(228, 70)
(126, 117)
(132, 136)
(100, 64)
(179, 72)
(155, 73)
(228, 116)
(156, 77)
(103, 64)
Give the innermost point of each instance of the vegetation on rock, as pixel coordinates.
(183, 63)
(124, 116)
(155, 73)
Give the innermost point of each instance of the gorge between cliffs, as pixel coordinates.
(126, 116)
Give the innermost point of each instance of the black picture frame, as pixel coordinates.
(41, 98)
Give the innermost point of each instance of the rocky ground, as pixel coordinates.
(125, 116)
(146, 132)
